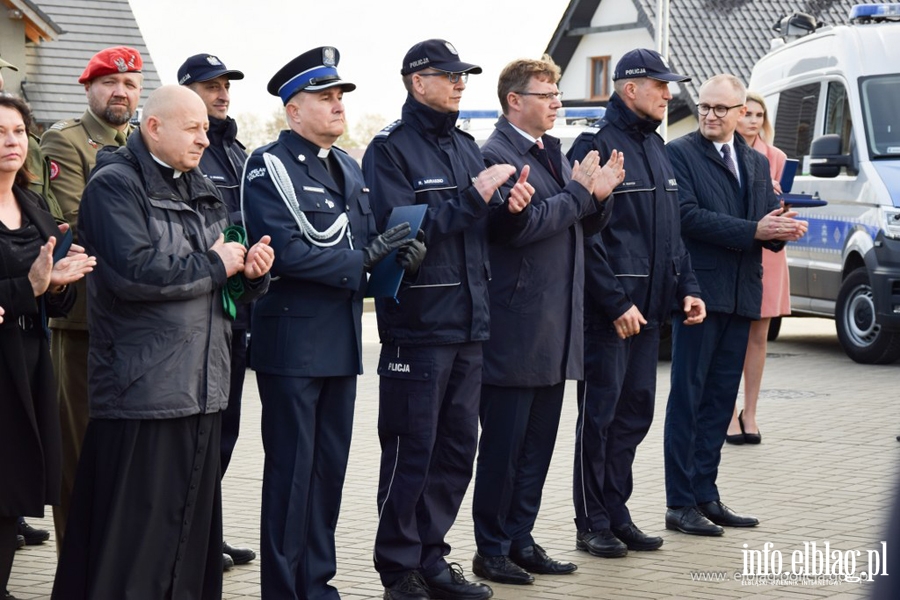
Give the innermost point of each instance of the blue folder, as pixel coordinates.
(384, 281)
(787, 182)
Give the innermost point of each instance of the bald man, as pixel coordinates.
(158, 365)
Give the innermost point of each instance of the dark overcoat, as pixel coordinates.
(537, 288)
(29, 418)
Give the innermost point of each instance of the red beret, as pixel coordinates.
(119, 59)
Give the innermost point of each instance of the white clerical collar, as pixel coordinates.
(175, 172)
(324, 152)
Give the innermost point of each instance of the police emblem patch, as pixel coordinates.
(214, 60)
(255, 173)
(328, 55)
(451, 48)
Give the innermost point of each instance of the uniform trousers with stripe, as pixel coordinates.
(306, 427)
(615, 410)
(428, 429)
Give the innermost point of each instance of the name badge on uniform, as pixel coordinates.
(429, 183)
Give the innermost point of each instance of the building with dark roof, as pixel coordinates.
(706, 37)
(51, 41)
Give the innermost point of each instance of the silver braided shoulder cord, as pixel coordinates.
(282, 181)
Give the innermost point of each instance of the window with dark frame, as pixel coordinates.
(600, 78)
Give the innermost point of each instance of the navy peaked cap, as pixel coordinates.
(312, 71)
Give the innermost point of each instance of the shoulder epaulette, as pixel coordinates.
(66, 124)
(390, 128)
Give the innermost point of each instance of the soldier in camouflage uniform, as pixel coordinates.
(112, 81)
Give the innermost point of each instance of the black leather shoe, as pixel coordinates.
(500, 569)
(535, 560)
(240, 556)
(749, 438)
(720, 514)
(600, 543)
(636, 539)
(689, 519)
(227, 562)
(20, 542)
(410, 587)
(32, 536)
(450, 584)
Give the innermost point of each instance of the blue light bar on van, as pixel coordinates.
(875, 12)
(583, 112)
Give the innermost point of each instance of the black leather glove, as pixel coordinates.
(411, 254)
(382, 245)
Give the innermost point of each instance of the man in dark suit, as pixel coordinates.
(307, 346)
(728, 213)
(536, 295)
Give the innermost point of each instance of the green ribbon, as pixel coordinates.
(234, 287)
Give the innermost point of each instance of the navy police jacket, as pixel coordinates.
(719, 220)
(310, 322)
(537, 288)
(639, 259)
(222, 163)
(424, 159)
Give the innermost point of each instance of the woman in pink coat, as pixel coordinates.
(776, 300)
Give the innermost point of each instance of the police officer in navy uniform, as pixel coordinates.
(637, 271)
(307, 349)
(223, 163)
(431, 335)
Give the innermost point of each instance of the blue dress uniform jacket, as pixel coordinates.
(426, 159)
(538, 272)
(639, 259)
(718, 221)
(309, 324)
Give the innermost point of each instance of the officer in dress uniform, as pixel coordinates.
(307, 349)
(223, 163)
(112, 82)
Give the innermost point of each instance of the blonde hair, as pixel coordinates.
(766, 133)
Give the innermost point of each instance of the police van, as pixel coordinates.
(833, 95)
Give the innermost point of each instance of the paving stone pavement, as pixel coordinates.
(825, 472)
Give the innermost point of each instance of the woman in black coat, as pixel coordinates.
(32, 288)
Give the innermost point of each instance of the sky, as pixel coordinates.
(260, 36)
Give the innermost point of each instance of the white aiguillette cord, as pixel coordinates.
(341, 226)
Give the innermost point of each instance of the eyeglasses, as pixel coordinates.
(543, 95)
(453, 77)
(719, 111)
